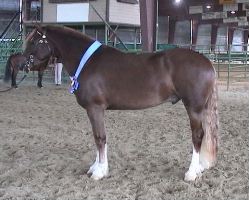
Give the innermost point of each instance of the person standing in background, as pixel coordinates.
(57, 70)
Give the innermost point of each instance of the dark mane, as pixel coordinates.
(68, 31)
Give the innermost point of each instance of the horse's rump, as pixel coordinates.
(14, 63)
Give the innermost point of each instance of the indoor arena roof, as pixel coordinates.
(233, 12)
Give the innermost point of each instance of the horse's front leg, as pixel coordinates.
(99, 169)
(40, 75)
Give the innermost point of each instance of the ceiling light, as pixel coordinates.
(233, 12)
(208, 6)
(177, 1)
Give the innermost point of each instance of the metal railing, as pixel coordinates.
(10, 40)
(231, 62)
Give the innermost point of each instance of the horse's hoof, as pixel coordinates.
(98, 171)
(192, 175)
(97, 175)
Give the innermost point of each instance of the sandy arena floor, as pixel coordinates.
(46, 147)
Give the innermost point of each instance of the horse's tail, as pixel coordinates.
(210, 124)
(7, 73)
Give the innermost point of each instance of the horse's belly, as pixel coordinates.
(139, 90)
(140, 99)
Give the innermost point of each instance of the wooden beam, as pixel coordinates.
(148, 16)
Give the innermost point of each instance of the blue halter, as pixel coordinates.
(89, 52)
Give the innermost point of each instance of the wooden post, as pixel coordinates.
(245, 39)
(230, 33)
(148, 18)
(214, 31)
(194, 33)
(172, 27)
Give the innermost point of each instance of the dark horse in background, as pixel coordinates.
(17, 62)
(115, 80)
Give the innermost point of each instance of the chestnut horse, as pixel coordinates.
(113, 80)
(17, 62)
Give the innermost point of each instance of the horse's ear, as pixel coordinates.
(38, 27)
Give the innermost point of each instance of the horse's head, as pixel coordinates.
(37, 48)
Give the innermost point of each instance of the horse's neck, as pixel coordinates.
(69, 50)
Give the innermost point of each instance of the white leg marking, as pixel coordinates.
(99, 170)
(95, 164)
(195, 168)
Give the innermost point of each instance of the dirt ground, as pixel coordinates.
(46, 147)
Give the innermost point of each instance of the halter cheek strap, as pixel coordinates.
(89, 52)
(41, 41)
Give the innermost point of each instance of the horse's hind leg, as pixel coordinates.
(195, 168)
(204, 125)
(100, 167)
(13, 78)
